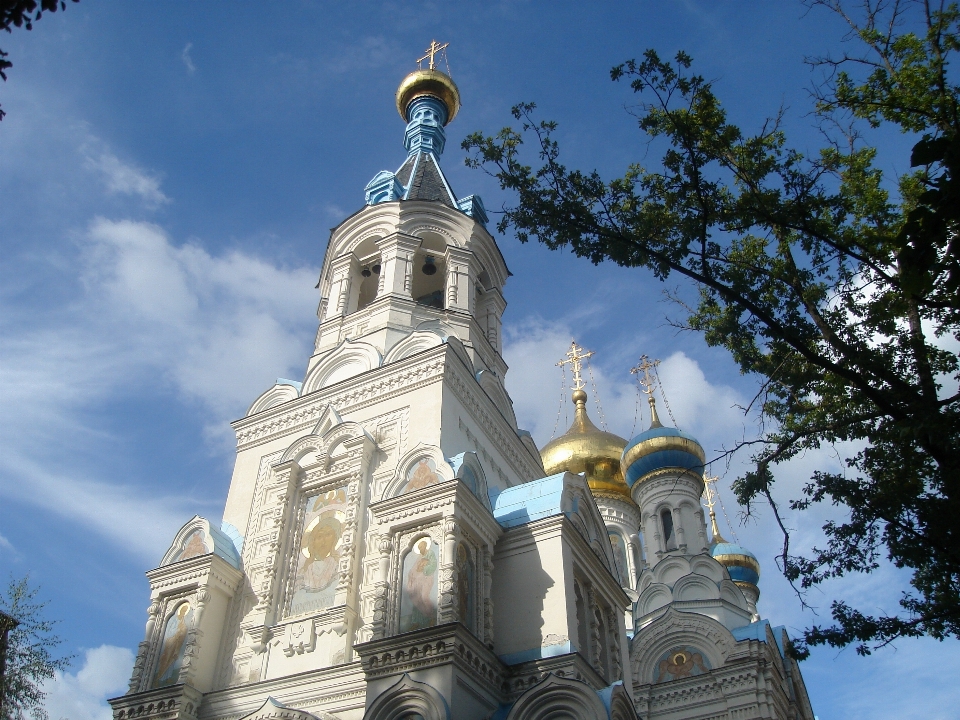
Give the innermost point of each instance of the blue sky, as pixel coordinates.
(169, 173)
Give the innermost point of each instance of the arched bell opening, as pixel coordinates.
(429, 272)
(369, 272)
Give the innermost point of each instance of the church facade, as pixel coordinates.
(394, 547)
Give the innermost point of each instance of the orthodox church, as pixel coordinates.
(394, 547)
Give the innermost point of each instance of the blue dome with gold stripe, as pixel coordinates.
(742, 564)
(659, 448)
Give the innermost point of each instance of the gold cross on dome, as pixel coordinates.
(434, 48)
(575, 357)
(645, 366)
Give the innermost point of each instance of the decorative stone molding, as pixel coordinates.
(349, 396)
(176, 702)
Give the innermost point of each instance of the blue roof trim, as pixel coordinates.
(291, 383)
(606, 696)
(231, 532)
(224, 547)
(758, 631)
(537, 653)
(528, 501)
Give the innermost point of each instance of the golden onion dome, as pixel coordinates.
(432, 83)
(585, 448)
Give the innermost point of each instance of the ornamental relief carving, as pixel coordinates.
(359, 394)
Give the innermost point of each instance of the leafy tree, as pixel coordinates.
(29, 658)
(22, 13)
(832, 283)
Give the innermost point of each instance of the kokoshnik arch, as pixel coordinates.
(394, 547)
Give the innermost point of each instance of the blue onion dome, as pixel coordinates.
(743, 566)
(660, 448)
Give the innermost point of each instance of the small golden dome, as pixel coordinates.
(585, 448)
(432, 83)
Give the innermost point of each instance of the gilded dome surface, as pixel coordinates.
(585, 448)
(431, 83)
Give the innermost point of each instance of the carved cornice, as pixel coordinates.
(353, 394)
(429, 648)
(209, 570)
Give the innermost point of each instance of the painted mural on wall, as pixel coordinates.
(466, 584)
(420, 475)
(173, 645)
(678, 663)
(619, 555)
(194, 545)
(317, 574)
(418, 594)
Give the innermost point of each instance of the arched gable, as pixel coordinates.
(557, 698)
(617, 701)
(409, 464)
(682, 631)
(416, 342)
(408, 698)
(695, 587)
(467, 468)
(281, 392)
(274, 710)
(350, 358)
(197, 538)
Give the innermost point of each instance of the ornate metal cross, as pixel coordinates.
(575, 358)
(645, 366)
(431, 51)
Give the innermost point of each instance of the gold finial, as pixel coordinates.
(648, 384)
(575, 358)
(431, 51)
(710, 497)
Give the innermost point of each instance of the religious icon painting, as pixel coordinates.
(466, 588)
(420, 475)
(418, 586)
(681, 662)
(619, 554)
(318, 557)
(194, 545)
(172, 646)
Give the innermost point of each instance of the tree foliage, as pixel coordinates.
(30, 661)
(831, 282)
(22, 13)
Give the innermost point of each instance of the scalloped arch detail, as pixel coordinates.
(277, 395)
(350, 359)
(494, 389)
(695, 587)
(408, 698)
(416, 342)
(414, 455)
(556, 698)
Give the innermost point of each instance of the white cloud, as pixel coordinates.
(214, 330)
(122, 178)
(128, 180)
(532, 347)
(187, 60)
(82, 696)
(7, 545)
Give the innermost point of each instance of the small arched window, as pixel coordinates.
(669, 537)
(582, 643)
